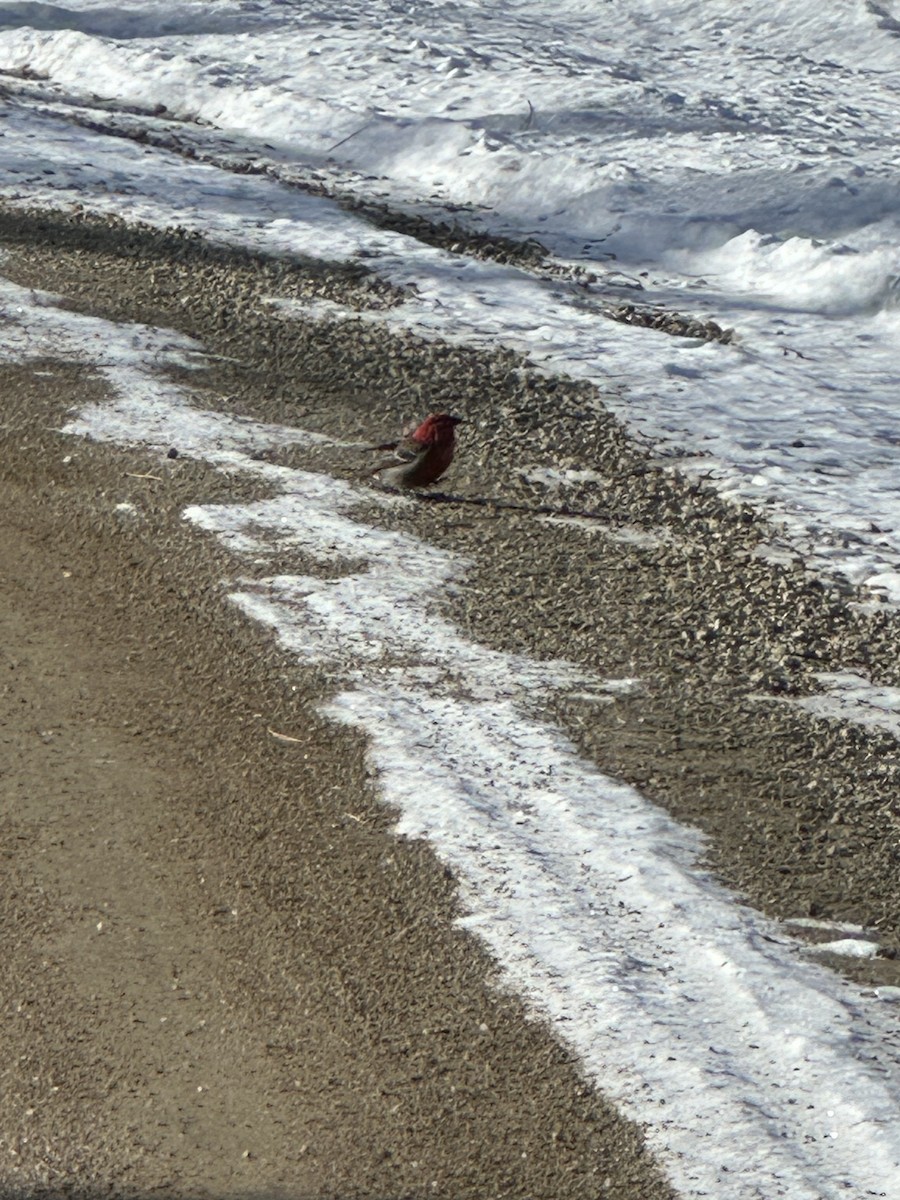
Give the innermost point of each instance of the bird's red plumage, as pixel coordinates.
(423, 455)
(436, 429)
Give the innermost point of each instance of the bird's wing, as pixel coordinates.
(408, 449)
(405, 455)
(405, 450)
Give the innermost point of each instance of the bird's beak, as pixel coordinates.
(458, 420)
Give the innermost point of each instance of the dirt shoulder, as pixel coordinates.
(197, 905)
(802, 813)
(222, 975)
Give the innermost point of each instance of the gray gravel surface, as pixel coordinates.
(359, 1019)
(222, 975)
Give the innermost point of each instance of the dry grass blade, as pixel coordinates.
(281, 737)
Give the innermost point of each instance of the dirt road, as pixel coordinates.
(222, 975)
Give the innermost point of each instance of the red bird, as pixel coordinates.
(420, 457)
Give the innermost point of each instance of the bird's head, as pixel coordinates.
(439, 427)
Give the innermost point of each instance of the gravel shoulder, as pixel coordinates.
(223, 975)
(195, 905)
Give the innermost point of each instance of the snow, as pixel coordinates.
(849, 948)
(851, 697)
(855, 941)
(733, 161)
(724, 162)
(754, 1071)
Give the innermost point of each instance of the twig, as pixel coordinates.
(135, 475)
(530, 116)
(348, 137)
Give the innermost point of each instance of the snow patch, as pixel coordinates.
(852, 697)
(752, 1071)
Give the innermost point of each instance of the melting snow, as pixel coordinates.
(714, 158)
(709, 157)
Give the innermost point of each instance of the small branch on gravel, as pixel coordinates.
(135, 475)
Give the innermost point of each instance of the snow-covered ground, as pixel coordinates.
(755, 1072)
(730, 160)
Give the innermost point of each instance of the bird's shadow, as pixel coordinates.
(538, 510)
